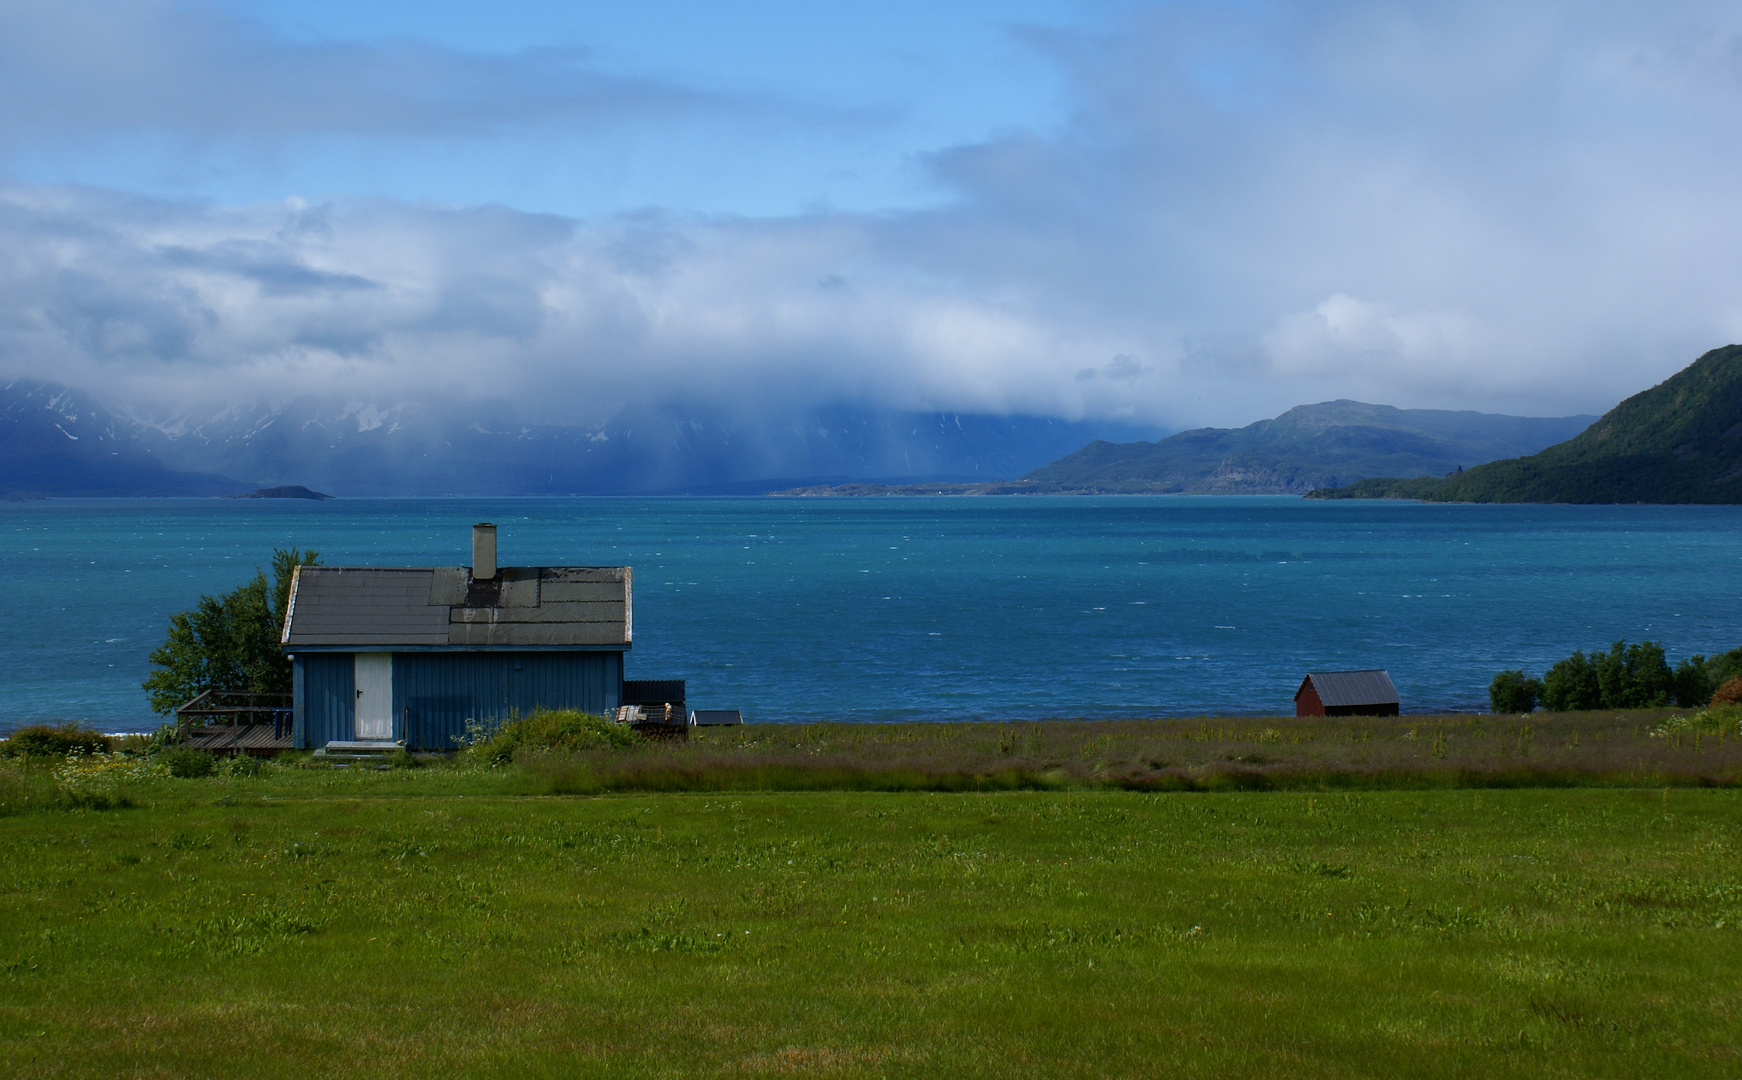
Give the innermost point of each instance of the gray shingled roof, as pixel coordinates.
(366, 607)
(1353, 687)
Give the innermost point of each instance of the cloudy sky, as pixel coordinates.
(1176, 213)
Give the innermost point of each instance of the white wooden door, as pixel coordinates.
(374, 675)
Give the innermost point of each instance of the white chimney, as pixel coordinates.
(483, 551)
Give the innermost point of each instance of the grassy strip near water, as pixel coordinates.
(1629, 748)
(1644, 748)
(430, 923)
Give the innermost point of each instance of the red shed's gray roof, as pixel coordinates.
(1352, 687)
(443, 606)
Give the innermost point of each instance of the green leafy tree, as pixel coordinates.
(1571, 685)
(40, 740)
(1513, 692)
(1634, 676)
(1625, 677)
(284, 564)
(1697, 678)
(228, 642)
(1693, 683)
(1725, 666)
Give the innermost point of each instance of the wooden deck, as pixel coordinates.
(230, 740)
(232, 722)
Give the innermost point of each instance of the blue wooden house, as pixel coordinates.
(412, 655)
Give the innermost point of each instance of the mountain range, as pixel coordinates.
(1307, 447)
(1678, 442)
(55, 441)
(59, 442)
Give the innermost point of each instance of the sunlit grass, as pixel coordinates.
(435, 922)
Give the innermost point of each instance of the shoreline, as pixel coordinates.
(116, 728)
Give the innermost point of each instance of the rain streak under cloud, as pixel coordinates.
(1211, 213)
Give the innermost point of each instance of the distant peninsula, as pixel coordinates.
(1678, 442)
(867, 489)
(1306, 448)
(289, 491)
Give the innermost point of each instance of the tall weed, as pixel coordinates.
(1229, 754)
(1718, 718)
(104, 781)
(566, 731)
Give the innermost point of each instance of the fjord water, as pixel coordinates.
(932, 608)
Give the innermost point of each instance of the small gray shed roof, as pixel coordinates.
(443, 607)
(716, 717)
(1352, 687)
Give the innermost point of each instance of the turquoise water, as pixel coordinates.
(886, 609)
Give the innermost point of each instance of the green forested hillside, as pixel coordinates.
(1311, 446)
(1679, 442)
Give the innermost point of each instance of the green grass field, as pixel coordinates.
(435, 922)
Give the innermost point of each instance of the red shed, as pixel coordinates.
(1346, 693)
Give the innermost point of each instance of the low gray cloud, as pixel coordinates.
(1123, 366)
(163, 300)
(78, 67)
(1524, 209)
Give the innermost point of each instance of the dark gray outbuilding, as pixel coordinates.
(1346, 693)
(414, 655)
(716, 717)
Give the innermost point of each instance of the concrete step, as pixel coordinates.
(358, 751)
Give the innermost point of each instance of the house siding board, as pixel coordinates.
(435, 694)
(325, 698)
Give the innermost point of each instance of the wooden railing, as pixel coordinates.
(235, 707)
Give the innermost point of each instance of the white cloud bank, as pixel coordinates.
(1519, 209)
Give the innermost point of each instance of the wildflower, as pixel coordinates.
(99, 778)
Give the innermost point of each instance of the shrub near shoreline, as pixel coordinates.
(562, 731)
(1626, 677)
(43, 740)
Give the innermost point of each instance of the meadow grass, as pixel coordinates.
(1626, 748)
(441, 922)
